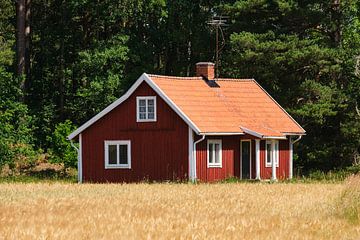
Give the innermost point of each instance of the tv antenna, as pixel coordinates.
(218, 22)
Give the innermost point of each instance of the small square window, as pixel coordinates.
(117, 154)
(146, 109)
(214, 155)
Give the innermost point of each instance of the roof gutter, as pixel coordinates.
(194, 177)
(296, 140)
(291, 160)
(79, 160)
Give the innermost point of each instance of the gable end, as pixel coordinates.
(147, 79)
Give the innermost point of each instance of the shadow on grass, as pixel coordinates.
(37, 179)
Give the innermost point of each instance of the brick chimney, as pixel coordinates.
(205, 69)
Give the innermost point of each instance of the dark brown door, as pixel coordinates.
(245, 159)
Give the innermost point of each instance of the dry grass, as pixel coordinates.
(348, 205)
(173, 211)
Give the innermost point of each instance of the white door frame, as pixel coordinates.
(245, 140)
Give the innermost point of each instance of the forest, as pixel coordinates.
(61, 62)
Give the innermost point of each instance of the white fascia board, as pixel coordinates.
(220, 133)
(275, 137)
(256, 134)
(147, 79)
(251, 132)
(108, 108)
(294, 134)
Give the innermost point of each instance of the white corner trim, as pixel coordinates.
(146, 98)
(117, 143)
(214, 165)
(273, 163)
(80, 168)
(147, 79)
(257, 158)
(291, 161)
(191, 154)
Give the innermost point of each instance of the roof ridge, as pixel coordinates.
(175, 77)
(236, 79)
(200, 78)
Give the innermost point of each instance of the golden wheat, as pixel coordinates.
(173, 211)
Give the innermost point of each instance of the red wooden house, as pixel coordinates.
(170, 128)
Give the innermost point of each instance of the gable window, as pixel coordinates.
(269, 148)
(146, 109)
(214, 153)
(117, 154)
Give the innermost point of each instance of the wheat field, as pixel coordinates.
(174, 211)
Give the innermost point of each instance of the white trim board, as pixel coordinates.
(191, 154)
(256, 134)
(151, 83)
(80, 168)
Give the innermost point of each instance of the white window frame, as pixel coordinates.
(277, 152)
(146, 98)
(118, 165)
(214, 165)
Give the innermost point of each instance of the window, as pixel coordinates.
(117, 154)
(214, 157)
(269, 153)
(146, 109)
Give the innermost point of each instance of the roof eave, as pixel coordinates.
(220, 133)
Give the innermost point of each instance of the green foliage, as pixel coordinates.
(304, 54)
(85, 54)
(61, 150)
(15, 133)
(101, 74)
(16, 126)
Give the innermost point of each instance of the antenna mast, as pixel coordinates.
(217, 22)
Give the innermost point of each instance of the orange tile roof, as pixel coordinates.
(236, 106)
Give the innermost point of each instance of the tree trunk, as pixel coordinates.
(23, 43)
(336, 19)
(62, 67)
(20, 45)
(27, 44)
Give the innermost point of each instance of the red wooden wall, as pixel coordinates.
(159, 150)
(231, 159)
(282, 172)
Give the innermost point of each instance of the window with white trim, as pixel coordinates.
(214, 153)
(146, 109)
(117, 154)
(269, 148)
